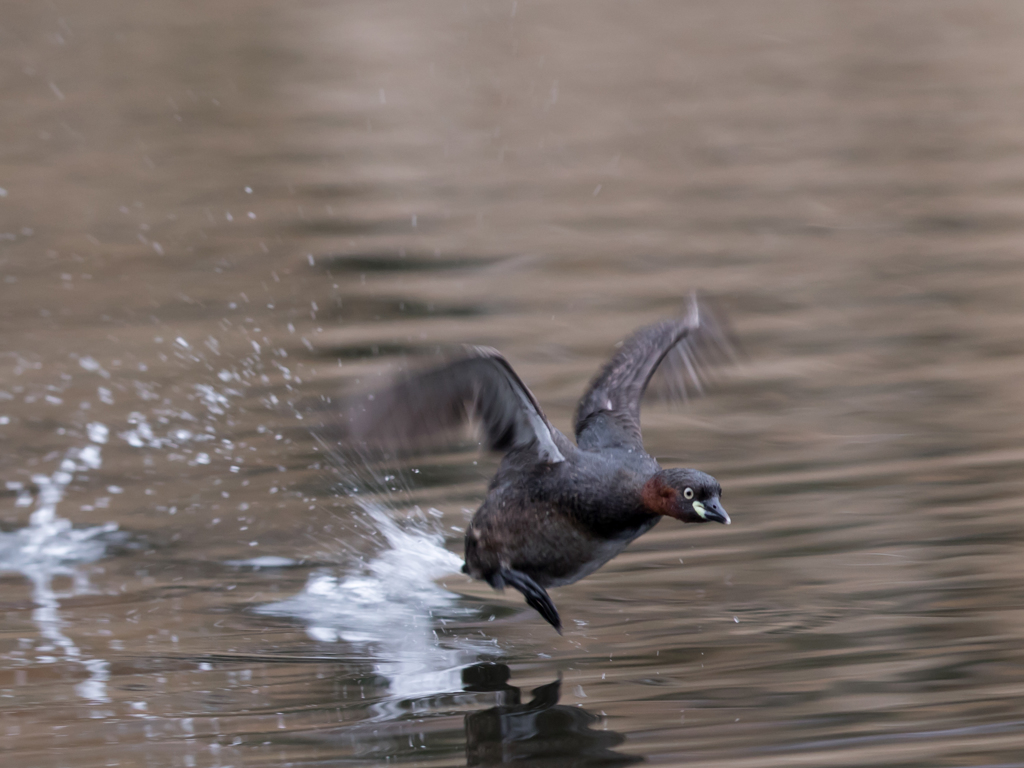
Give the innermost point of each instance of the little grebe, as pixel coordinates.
(556, 512)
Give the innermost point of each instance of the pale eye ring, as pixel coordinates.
(688, 494)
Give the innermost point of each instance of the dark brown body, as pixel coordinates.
(559, 522)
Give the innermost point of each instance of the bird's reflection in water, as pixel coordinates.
(541, 732)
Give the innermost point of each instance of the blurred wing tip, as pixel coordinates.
(478, 350)
(693, 319)
(712, 330)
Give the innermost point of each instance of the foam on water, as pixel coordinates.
(264, 561)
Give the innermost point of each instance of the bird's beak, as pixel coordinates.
(712, 509)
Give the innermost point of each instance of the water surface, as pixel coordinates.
(215, 218)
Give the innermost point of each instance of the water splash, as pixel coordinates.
(391, 609)
(396, 588)
(49, 547)
(49, 541)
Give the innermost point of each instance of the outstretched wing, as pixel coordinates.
(609, 413)
(422, 407)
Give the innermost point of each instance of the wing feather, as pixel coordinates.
(480, 386)
(687, 347)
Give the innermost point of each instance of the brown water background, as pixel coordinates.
(213, 215)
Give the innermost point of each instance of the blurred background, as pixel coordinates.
(216, 217)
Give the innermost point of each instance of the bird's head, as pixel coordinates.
(688, 495)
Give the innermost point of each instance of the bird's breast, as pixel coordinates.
(600, 552)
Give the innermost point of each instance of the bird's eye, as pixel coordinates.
(688, 494)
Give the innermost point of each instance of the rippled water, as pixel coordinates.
(214, 218)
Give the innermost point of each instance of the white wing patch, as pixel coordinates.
(545, 444)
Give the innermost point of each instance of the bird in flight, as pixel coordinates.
(556, 511)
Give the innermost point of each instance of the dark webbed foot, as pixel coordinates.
(535, 596)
